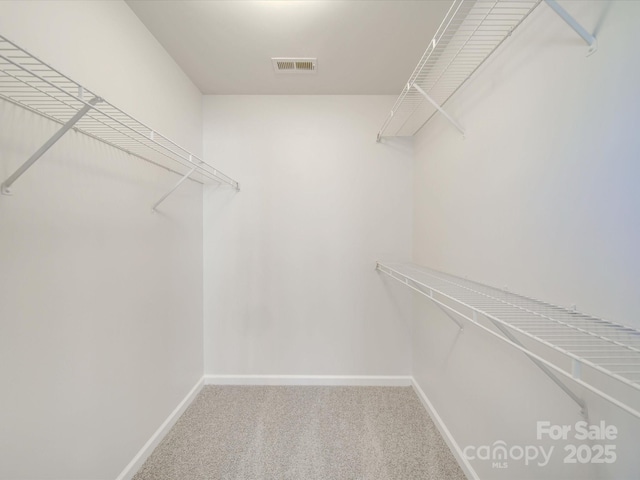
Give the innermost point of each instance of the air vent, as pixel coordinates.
(295, 65)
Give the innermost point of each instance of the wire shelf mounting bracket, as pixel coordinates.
(554, 378)
(605, 347)
(590, 39)
(175, 187)
(438, 107)
(5, 188)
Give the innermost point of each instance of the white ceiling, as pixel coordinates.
(363, 47)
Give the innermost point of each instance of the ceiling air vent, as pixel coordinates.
(295, 65)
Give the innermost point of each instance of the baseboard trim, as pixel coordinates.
(137, 462)
(446, 434)
(328, 380)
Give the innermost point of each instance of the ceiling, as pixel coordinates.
(363, 47)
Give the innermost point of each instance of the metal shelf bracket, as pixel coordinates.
(175, 187)
(579, 29)
(554, 378)
(438, 107)
(5, 188)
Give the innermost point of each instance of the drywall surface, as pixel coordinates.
(100, 301)
(289, 284)
(541, 196)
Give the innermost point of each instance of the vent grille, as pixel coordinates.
(284, 65)
(295, 65)
(305, 66)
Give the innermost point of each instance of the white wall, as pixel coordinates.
(100, 301)
(289, 280)
(540, 196)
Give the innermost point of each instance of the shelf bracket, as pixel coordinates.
(439, 108)
(175, 187)
(451, 317)
(545, 370)
(579, 29)
(5, 187)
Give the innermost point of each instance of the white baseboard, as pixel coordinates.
(331, 380)
(446, 434)
(137, 462)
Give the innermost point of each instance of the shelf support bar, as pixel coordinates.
(439, 108)
(451, 317)
(545, 370)
(5, 187)
(175, 187)
(579, 29)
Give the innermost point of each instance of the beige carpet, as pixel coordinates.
(303, 433)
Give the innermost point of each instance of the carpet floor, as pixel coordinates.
(303, 433)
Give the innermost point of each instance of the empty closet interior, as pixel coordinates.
(319, 239)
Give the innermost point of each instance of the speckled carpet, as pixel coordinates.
(303, 433)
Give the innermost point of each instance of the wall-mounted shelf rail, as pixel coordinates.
(31, 83)
(590, 347)
(470, 32)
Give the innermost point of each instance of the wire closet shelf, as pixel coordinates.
(470, 32)
(605, 347)
(31, 83)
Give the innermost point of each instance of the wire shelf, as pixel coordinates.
(609, 348)
(31, 83)
(468, 35)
